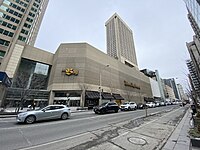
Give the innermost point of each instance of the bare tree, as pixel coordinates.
(27, 85)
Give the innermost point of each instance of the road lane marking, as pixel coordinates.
(53, 142)
(27, 140)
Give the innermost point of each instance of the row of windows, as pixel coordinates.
(21, 38)
(4, 42)
(11, 18)
(29, 20)
(36, 5)
(24, 31)
(8, 25)
(21, 3)
(34, 9)
(14, 13)
(18, 7)
(31, 14)
(7, 33)
(27, 25)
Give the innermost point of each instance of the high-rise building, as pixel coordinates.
(171, 83)
(20, 21)
(120, 43)
(194, 76)
(193, 7)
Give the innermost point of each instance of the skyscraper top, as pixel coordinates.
(120, 43)
(115, 15)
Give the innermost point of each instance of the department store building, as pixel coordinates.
(77, 74)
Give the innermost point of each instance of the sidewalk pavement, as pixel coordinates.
(179, 139)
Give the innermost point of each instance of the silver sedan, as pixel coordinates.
(46, 113)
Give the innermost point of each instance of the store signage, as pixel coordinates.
(70, 71)
(131, 85)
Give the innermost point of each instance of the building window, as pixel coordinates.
(4, 42)
(2, 54)
(21, 38)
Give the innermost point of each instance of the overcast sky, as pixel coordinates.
(161, 30)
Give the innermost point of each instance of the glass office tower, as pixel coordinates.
(20, 21)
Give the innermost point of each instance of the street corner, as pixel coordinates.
(135, 141)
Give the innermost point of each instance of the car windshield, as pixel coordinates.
(125, 103)
(103, 104)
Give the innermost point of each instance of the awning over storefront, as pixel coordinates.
(118, 97)
(92, 95)
(107, 96)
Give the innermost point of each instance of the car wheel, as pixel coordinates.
(116, 111)
(30, 119)
(129, 108)
(64, 116)
(102, 112)
(96, 112)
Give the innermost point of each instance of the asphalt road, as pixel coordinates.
(16, 136)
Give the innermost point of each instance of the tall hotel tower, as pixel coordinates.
(120, 44)
(20, 21)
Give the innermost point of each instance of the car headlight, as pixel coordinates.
(22, 114)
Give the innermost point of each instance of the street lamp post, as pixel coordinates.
(100, 88)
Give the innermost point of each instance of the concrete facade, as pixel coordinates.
(89, 62)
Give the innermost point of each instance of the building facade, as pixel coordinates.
(193, 7)
(20, 23)
(75, 74)
(183, 96)
(194, 76)
(120, 43)
(171, 83)
(169, 93)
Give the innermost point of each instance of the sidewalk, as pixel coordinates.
(180, 140)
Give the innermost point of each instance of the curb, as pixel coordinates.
(164, 142)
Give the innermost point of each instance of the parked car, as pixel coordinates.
(157, 103)
(46, 113)
(129, 106)
(162, 103)
(151, 104)
(140, 106)
(106, 108)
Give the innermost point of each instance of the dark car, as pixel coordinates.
(106, 108)
(140, 106)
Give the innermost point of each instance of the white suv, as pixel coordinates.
(151, 104)
(129, 106)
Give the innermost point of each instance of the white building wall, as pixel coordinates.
(155, 88)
